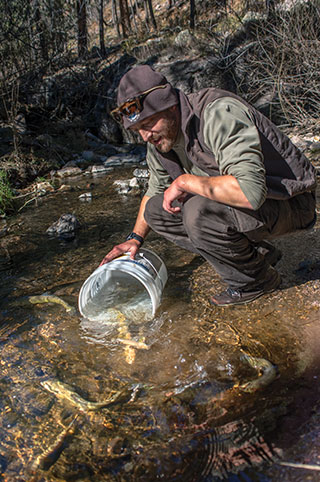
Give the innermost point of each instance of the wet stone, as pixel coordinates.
(97, 169)
(69, 171)
(65, 227)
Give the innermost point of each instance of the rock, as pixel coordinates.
(69, 171)
(109, 130)
(122, 158)
(141, 173)
(122, 187)
(133, 182)
(65, 227)
(88, 155)
(124, 148)
(20, 124)
(140, 150)
(71, 163)
(44, 140)
(87, 196)
(185, 39)
(98, 169)
(65, 188)
(44, 187)
(195, 74)
(113, 161)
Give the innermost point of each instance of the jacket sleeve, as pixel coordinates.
(234, 139)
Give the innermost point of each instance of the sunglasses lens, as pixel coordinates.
(131, 110)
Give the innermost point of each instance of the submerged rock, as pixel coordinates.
(65, 227)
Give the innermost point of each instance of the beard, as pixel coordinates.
(169, 133)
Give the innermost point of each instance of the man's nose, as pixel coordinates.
(145, 134)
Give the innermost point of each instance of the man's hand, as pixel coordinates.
(173, 193)
(132, 246)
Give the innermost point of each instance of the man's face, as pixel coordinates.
(160, 129)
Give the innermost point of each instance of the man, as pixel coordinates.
(223, 179)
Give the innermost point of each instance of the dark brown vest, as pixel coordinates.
(288, 171)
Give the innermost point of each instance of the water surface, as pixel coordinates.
(179, 412)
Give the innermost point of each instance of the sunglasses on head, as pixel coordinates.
(131, 108)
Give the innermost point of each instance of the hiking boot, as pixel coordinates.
(233, 296)
(271, 254)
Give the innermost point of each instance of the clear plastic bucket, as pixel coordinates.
(132, 286)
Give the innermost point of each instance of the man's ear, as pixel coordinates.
(174, 108)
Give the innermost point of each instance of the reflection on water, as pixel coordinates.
(164, 396)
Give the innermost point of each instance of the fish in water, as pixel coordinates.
(266, 369)
(45, 460)
(65, 392)
(139, 345)
(39, 299)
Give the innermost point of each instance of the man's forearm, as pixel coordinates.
(223, 189)
(141, 227)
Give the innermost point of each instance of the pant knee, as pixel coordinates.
(193, 219)
(204, 215)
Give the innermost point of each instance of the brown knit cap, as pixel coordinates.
(138, 80)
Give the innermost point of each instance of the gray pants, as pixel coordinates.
(226, 236)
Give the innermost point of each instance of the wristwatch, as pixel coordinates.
(135, 236)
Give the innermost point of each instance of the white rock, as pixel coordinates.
(87, 196)
(134, 182)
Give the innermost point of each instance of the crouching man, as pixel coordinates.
(223, 180)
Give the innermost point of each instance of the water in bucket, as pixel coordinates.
(127, 287)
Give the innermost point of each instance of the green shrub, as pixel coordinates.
(6, 194)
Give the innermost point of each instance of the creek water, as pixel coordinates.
(210, 394)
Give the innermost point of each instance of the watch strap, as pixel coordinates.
(135, 236)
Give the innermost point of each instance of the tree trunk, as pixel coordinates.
(82, 28)
(192, 13)
(101, 30)
(115, 17)
(137, 10)
(127, 14)
(133, 16)
(153, 20)
(41, 31)
(147, 20)
(122, 19)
